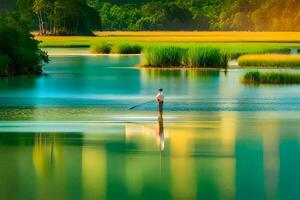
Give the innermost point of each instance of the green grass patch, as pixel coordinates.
(126, 48)
(205, 57)
(269, 60)
(256, 77)
(103, 48)
(233, 48)
(163, 56)
(172, 56)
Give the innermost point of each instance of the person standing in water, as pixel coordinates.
(160, 100)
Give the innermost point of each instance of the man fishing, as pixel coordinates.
(160, 100)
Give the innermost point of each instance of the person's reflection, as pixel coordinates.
(160, 133)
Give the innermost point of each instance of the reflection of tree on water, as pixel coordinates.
(46, 154)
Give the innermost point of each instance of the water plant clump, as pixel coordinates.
(256, 77)
(163, 56)
(205, 57)
(172, 56)
(125, 48)
(103, 48)
(269, 60)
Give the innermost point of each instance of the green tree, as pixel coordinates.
(19, 52)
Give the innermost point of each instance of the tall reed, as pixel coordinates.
(159, 56)
(269, 60)
(103, 48)
(256, 77)
(125, 48)
(205, 57)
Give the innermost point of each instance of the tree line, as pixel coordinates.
(224, 15)
(81, 17)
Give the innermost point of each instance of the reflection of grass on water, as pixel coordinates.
(202, 73)
(177, 73)
(164, 73)
(271, 78)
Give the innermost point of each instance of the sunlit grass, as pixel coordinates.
(256, 77)
(269, 60)
(103, 48)
(194, 36)
(126, 48)
(194, 56)
(205, 57)
(229, 42)
(163, 56)
(180, 36)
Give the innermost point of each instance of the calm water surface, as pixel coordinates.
(69, 134)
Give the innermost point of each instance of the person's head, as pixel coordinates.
(160, 89)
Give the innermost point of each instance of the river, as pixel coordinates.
(70, 134)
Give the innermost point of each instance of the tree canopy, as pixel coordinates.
(237, 15)
(65, 17)
(81, 17)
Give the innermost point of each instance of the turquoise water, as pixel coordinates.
(113, 83)
(69, 134)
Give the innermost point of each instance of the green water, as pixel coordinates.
(69, 134)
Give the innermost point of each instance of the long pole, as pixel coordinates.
(133, 107)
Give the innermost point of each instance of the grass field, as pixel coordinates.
(233, 43)
(179, 36)
(269, 60)
(182, 38)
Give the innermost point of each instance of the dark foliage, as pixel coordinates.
(19, 52)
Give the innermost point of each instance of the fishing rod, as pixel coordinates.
(141, 104)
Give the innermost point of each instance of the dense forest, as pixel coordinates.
(81, 17)
(227, 15)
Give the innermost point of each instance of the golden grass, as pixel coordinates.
(173, 37)
(194, 36)
(270, 60)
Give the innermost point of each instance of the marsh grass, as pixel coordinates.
(103, 48)
(197, 57)
(269, 60)
(256, 77)
(205, 57)
(127, 48)
(163, 56)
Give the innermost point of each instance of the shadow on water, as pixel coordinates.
(18, 83)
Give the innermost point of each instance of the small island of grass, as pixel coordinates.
(256, 77)
(121, 48)
(194, 56)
